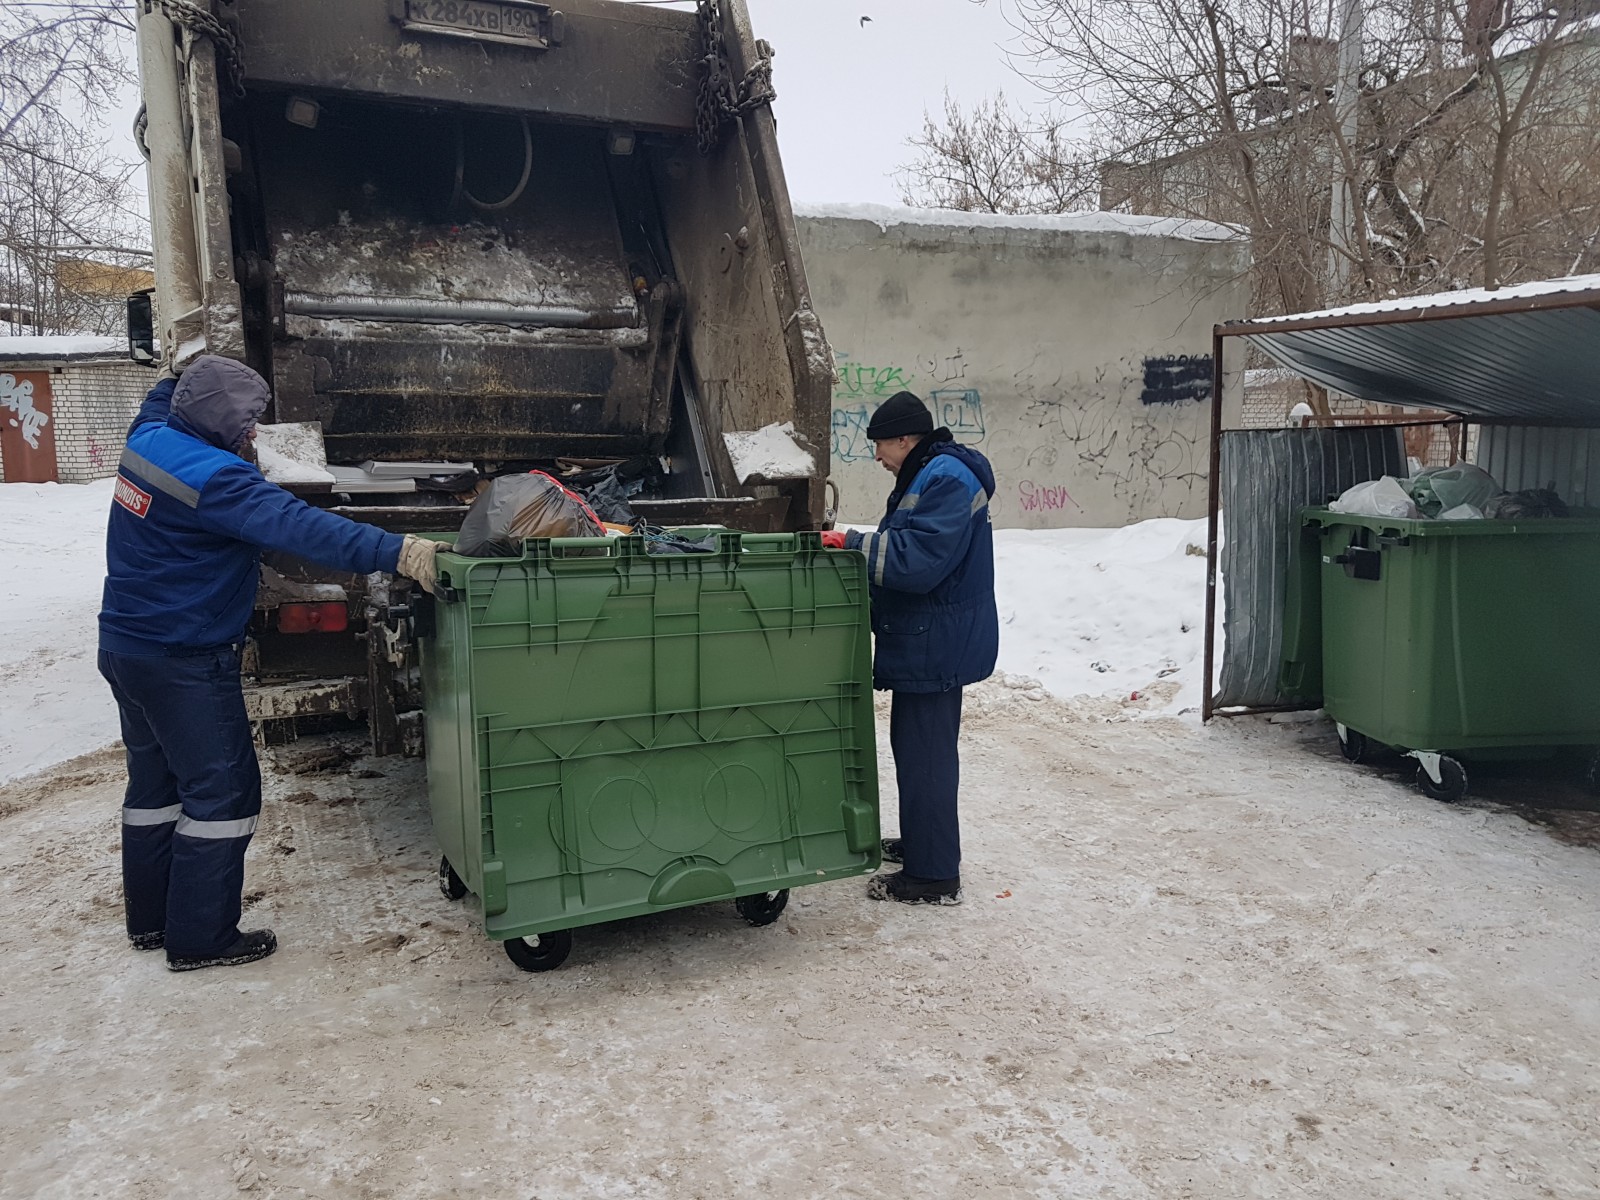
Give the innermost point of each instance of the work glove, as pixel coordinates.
(417, 560)
(833, 539)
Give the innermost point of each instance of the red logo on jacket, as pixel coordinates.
(132, 498)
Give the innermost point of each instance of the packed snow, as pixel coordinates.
(771, 452)
(70, 346)
(884, 216)
(1113, 614)
(292, 452)
(1570, 284)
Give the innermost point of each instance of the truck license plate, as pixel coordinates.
(520, 23)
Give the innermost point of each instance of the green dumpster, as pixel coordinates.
(612, 732)
(1448, 640)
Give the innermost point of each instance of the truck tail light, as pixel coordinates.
(330, 617)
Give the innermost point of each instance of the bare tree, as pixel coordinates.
(61, 195)
(1473, 152)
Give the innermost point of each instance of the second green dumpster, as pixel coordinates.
(1448, 639)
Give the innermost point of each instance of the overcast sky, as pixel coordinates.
(849, 95)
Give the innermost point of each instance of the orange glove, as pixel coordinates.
(833, 539)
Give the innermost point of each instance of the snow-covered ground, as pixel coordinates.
(1108, 613)
(53, 703)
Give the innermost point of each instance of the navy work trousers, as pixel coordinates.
(924, 729)
(194, 792)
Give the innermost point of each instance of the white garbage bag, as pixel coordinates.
(1384, 497)
(1462, 512)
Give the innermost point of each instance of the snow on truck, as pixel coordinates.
(463, 238)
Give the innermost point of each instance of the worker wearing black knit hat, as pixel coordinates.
(931, 566)
(901, 415)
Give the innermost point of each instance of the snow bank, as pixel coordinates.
(771, 452)
(886, 215)
(53, 703)
(1106, 613)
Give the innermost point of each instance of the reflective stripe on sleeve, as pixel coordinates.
(152, 816)
(980, 502)
(880, 555)
(162, 481)
(909, 502)
(243, 827)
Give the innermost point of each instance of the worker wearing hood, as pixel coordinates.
(189, 519)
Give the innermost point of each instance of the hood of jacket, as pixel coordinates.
(220, 400)
(972, 460)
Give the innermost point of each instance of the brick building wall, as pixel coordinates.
(94, 403)
(93, 398)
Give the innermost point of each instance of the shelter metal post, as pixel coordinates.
(1214, 489)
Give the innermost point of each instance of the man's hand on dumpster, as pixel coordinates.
(417, 560)
(833, 539)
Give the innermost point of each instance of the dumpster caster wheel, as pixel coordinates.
(1451, 784)
(449, 882)
(1354, 746)
(763, 908)
(542, 952)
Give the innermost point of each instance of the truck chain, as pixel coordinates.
(721, 98)
(199, 20)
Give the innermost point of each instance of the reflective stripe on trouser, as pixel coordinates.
(194, 792)
(924, 732)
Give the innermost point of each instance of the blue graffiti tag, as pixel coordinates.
(960, 410)
(850, 442)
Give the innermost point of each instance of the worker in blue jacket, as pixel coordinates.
(931, 566)
(189, 519)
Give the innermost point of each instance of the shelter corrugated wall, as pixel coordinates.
(1521, 457)
(1272, 474)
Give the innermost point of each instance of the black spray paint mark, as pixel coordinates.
(1176, 379)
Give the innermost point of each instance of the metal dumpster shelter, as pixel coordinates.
(1517, 363)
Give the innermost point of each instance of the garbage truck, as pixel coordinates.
(466, 238)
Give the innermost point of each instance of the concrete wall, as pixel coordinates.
(1074, 351)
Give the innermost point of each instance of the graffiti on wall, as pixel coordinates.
(1044, 497)
(16, 396)
(1176, 379)
(960, 410)
(860, 388)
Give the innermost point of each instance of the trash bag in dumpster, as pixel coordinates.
(1441, 488)
(1384, 497)
(1520, 506)
(516, 507)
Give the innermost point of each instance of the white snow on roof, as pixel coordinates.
(1466, 297)
(67, 346)
(885, 215)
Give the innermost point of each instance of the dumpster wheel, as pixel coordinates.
(1451, 784)
(763, 908)
(1354, 746)
(542, 952)
(449, 882)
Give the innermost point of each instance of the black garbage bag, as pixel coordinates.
(1525, 505)
(516, 507)
(609, 499)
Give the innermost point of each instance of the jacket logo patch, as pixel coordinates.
(132, 498)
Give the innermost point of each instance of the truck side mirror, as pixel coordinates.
(141, 329)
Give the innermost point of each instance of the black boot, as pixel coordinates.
(891, 851)
(912, 889)
(148, 941)
(247, 948)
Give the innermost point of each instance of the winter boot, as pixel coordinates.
(247, 948)
(911, 889)
(148, 941)
(891, 850)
